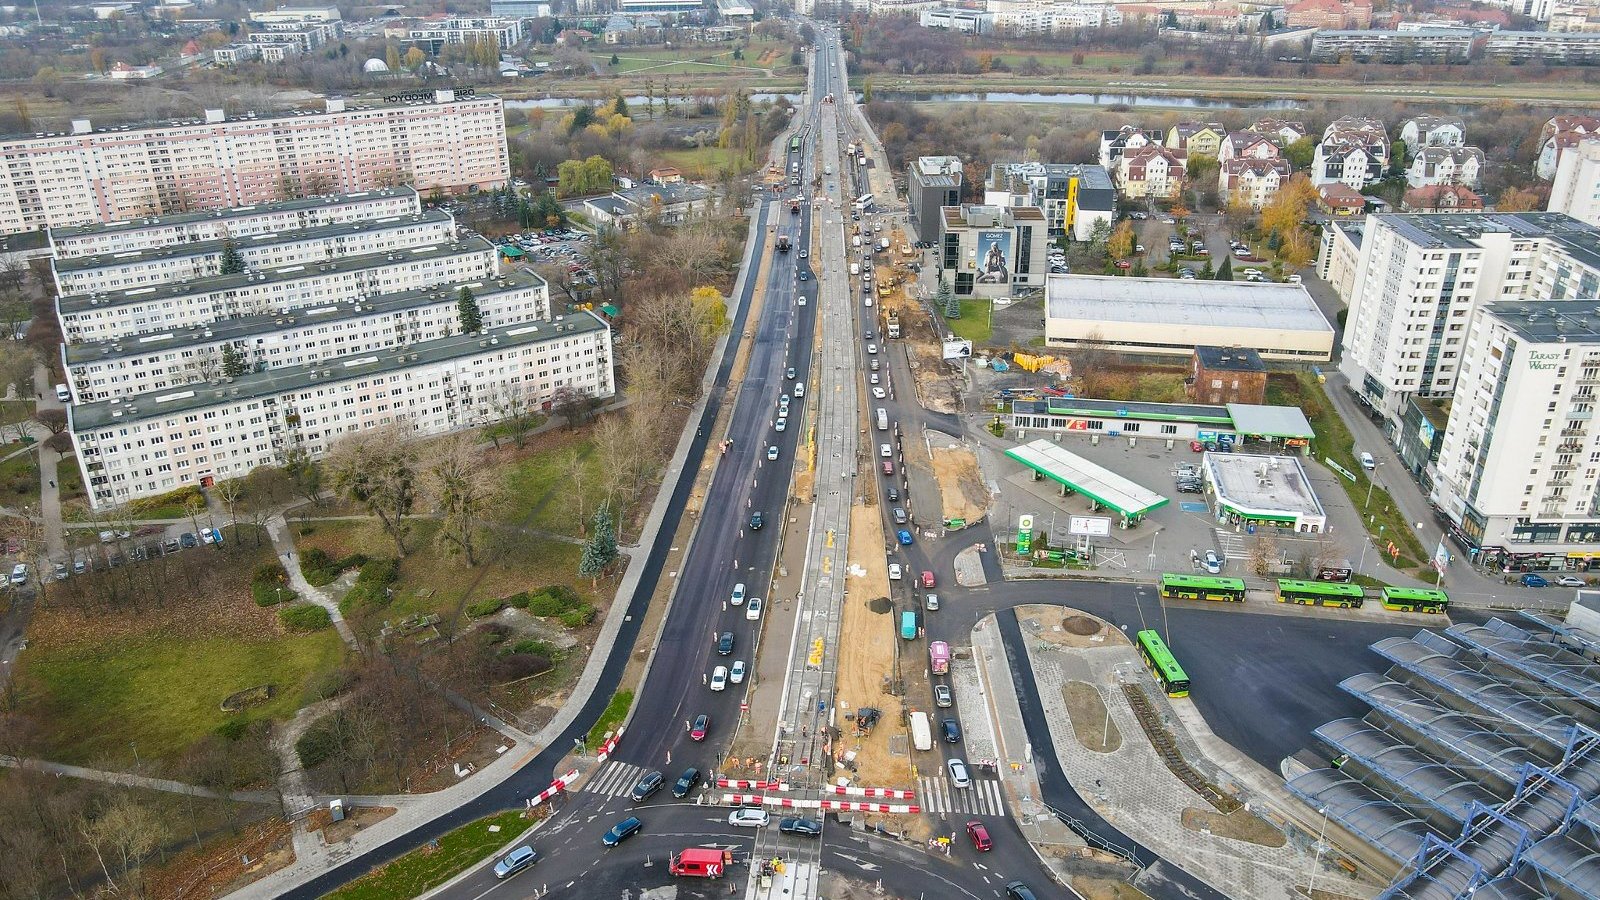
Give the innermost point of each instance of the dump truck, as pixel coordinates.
(891, 326)
(700, 862)
(783, 243)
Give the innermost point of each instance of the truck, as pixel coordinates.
(883, 419)
(939, 657)
(891, 325)
(794, 205)
(700, 862)
(855, 242)
(883, 245)
(783, 243)
(921, 734)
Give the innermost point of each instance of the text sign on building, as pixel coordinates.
(1089, 526)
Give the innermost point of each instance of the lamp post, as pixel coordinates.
(1372, 481)
(1316, 861)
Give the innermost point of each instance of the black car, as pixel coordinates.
(686, 782)
(756, 520)
(621, 831)
(187, 540)
(1016, 890)
(647, 786)
(725, 643)
(807, 827)
(1191, 487)
(952, 731)
(894, 494)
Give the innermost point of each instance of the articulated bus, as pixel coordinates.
(1415, 600)
(1166, 669)
(1201, 587)
(794, 144)
(1320, 593)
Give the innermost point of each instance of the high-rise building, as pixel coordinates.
(450, 141)
(1576, 188)
(932, 182)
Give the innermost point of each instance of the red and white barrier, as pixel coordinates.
(556, 787)
(609, 745)
(742, 785)
(886, 793)
(766, 800)
(856, 806)
(840, 805)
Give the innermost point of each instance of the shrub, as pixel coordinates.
(544, 605)
(304, 617)
(270, 594)
(331, 684)
(269, 573)
(233, 729)
(319, 743)
(321, 569)
(577, 618)
(515, 666)
(364, 594)
(484, 608)
(379, 571)
(537, 648)
(494, 632)
(520, 601)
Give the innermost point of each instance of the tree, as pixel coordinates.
(1514, 199)
(619, 106)
(1120, 245)
(304, 473)
(1301, 153)
(947, 301)
(601, 549)
(1225, 271)
(572, 405)
(234, 362)
(1206, 271)
(615, 60)
(1288, 210)
(461, 489)
(53, 419)
(467, 311)
(232, 263)
(378, 469)
(1399, 158)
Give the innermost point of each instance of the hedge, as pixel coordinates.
(321, 569)
(485, 608)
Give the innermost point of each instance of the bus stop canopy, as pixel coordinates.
(1093, 481)
(511, 251)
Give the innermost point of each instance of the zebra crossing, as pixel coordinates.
(616, 779)
(1231, 544)
(937, 795)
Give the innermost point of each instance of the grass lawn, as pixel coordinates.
(974, 324)
(701, 163)
(70, 479)
(13, 411)
(611, 717)
(19, 481)
(536, 485)
(422, 869)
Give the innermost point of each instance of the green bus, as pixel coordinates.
(794, 144)
(1166, 669)
(1420, 600)
(1321, 593)
(1201, 587)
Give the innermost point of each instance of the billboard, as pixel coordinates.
(1089, 526)
(994, 256)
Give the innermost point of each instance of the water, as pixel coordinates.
(636, 101)
(1085, 99)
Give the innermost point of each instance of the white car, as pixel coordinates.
(879, 393)
(958, 774)
(738, 594)
(1212, 562)
(799, 390)
(752, 818)
(782, 424)
(1295, 279)
(772, 453)
(719, 678)
(752, 610)
(874, 378)
(885, 451)
(1571, 581)
(19, 573)
(872, 349)
(736, 674)
(895, 572)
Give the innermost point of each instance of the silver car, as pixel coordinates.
(521, 858)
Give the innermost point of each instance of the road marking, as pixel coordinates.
(614, 779)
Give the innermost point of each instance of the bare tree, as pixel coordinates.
(461, 489)
(1263, 554)
(53, 419)
(378, 469)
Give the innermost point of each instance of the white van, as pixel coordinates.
(1367, 462)
(63, 394)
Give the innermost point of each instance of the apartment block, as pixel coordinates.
(1075, 197)
(1445, 165)
(147, 310)
(447, 140)
(932, 182)
(151, 443)
(433, 35)
(993, 251)
(1519, 464)
(1422, 45)
(1576, 188)
(1572, 48)
(139, 364)
(153, 232)
(1252, 182)
(1151, 172)
(1433, 131)
(203, 259)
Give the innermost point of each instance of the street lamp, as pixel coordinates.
(1372, 481)
(1316, 862)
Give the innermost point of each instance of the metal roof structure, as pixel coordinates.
(1270, 421)
(1092, 480)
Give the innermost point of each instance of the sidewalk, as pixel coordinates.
(284, 544)
(140, 781)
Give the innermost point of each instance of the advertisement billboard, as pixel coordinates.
(994, 256)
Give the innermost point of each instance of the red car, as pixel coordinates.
(1197, 447)
(701, 727)
(980, 837)
(888, 467)
(1124, 264)
(927, 579)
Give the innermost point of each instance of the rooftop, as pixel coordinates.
(980, 216)
(1200, 303)
(1230, 359)
(1263, 485)
(1254, 420)
(1082, 406)
(1448, 231)
(206, 248)
(1090, 479)
(246, 326)
(232, 213)
(77, 303)
(143, 407)
(1090, 176)
(1550, 321)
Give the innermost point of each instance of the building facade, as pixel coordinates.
(993, 251)
(1433, 131)
(1576, 188)
(1152, 172)
(1196, 138)
(1075, 197)
(1445, 165)
(932, 183)
(1423, 45)
(1252, 182)
(433, 35)
(449, 140)
(1354, 151)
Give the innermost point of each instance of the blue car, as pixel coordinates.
(1532, 580)
(621, 831)
(904, 536)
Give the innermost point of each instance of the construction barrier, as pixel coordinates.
(840, 805)
(556, 787)
(743, 785)
(887, 793)
(609, 745)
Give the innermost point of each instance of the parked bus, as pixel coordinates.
(1201, 587)
(1420, 600)
(908, 625)
(1320, 593)
(939, 657)
(1166, 669)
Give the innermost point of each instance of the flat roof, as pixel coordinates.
(246, 326)
(236, 212)
(85, 302)
(1118, 409)
(1198, 302)
(1453, 231)
(203, 394)
(1262, 486)
(1551, 321)
(1270, 421)
(1089, 479)
(1230, 359)
(266, 239)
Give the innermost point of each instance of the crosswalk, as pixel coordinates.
(1231, 543)
(937, 795)
(616, 779)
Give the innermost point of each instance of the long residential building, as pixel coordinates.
(138, 364)
(452, 141)
(159, 308)
(149, 444)
(150, 232)
(203, 259)
(1576, 188)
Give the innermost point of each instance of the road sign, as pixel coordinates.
(1089, 526)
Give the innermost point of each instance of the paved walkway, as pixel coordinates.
(297, 797)
(126, 779)
(284, 544)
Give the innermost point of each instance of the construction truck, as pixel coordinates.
(700, 862)
(783, 243)
(891, 326)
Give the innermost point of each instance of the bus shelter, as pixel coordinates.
(1103, 487)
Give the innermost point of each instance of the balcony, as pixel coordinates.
(1579, 415)
(1573, 431)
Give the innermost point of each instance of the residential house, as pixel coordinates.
(666, 175)
(1281, 131)
(1329, 14)
(1354, 150)
(1340, 200)
(1152, 172)
(1196, 138)
(1445, 165)
(666, 204)
(1113, 144)
(1252, 181)
(1560, 134)
(1247, 145)
(1433, 131)
(1441, 198)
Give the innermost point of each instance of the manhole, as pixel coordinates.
(880, 605)
(1083, 626)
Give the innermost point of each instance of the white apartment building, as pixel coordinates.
(159, 308)
(234, 54)
(1251, 181)
(153, 443)
(304, 37)
(1433, 131)
(1028, 17)
(433, 36)
(450, 140)
(140, 364)
(290, 15)
(1445, 165)
(152, 232)
(1354, 151)
(1339, 255)
(1519, 463)
(1420, 279)
(203, 259)
(1576, 188)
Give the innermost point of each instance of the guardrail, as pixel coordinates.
(1092, 838)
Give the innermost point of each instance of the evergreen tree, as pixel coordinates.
(619, 106)
(601, 550)
(615, 60)
(467, 311)
(1225, 271)
(948, 301)
(232, 262)
(233, 362)
(1206, 271)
